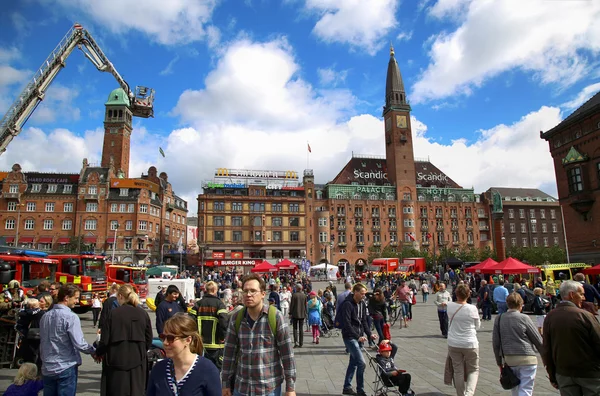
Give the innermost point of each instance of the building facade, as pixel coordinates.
(98, 209)
(575, 148)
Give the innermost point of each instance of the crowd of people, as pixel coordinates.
(238, 336)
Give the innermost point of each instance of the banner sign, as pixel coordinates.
(135, 183)
(218, 255)
(259, 174)
(51, 178)
(237, 263)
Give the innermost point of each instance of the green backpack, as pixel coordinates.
(272, 319)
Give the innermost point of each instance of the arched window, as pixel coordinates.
(339, 196)
(421, 198)
(451, 198)
(319, 194)
(357, 196)
(465, 198)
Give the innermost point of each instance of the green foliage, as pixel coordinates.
(74, 246)
(538, 255)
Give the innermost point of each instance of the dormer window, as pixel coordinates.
(52, 188)
(124, 192)
(36, 188)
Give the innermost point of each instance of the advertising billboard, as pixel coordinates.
(135, 183)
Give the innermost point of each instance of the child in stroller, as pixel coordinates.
(388, 372)
(327, 326)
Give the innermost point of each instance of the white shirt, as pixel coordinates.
(285, 297)
(462, 333)
(96, 303)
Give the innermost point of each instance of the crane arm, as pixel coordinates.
(142, 100)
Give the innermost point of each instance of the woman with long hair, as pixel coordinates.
(125, 339)
(185, 372)
(28, 325)
(315, 307)
(463, 346)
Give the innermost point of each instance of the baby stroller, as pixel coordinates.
(327, 326)
(382, 386)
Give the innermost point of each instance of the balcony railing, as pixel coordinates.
(91, 196)
(484, 227)
(358, 228)
(342, 244)
(393, 228)
(341, 227)
(468, 215)
(426, 243)
(423, 215)
(453, 215)
(394, 243)
(360, 244)
(455, 243)
(392, 215)
(376, 243)
(424, 228)
(341, 214)
(469, 227)
(11, 195)
(470, 243)
(358, 214)
(482, 215)
(376, 227)
(439, 215)
(454, 227)
(374, 214)
(440, 228)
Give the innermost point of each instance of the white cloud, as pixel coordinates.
(9, 54)
(9, 75)
(551, 39)
(169, 68)
(504, 155)
(404, 36)
(167, 22)
(362, 24)
(582, 97)
(331, 77)
(59, 103)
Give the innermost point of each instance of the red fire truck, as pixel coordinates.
(26, 267)
(86, 270)
(135, 276)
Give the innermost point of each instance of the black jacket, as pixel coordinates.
(212, 318)
(354, 319)
(108, 304)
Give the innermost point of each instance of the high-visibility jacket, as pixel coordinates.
(211, 314)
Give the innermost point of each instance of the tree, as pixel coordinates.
(74, 246)
(538, 255)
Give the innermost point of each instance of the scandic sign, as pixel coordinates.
(135, 183)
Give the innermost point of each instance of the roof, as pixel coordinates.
(522, 192)
(118, 97)
(593, 104)
(574, 156)
(102, 173)
(429, 175)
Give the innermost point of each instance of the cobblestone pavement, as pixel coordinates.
(321, 368)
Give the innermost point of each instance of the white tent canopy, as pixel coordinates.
(332, 270)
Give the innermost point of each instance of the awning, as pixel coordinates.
(110, 240)
(45, 240)
(9, 239)
(26, 240)
(90, 239)
(64, 240)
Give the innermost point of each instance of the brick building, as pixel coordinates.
(89, 209)
(575, 148)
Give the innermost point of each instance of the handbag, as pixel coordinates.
(508, 378)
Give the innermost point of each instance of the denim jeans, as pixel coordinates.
(527, 376)
(379, 327)
(276, 392)
(425, 297)
(443, 317)
(405, 308)
(62, 384)
(357, 362)
(486, 309)
(502, 308)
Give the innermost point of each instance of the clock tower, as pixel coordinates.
(117, 133)
(398, 135)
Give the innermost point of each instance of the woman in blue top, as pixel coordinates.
(185, 372)
(314, 315)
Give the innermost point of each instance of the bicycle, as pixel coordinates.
(395, 311)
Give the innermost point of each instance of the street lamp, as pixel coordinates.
(112, 260)
(162, 253)
(19, 205)
(202, 249)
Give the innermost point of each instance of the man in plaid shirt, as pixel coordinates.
(254, 359)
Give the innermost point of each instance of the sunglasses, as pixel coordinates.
(170, 338)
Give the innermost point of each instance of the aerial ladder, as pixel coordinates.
(142, 100)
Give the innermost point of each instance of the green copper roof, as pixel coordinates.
(574, 156)
(118, 97)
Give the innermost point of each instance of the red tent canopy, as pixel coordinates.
(478, 268)
(595, 270)
(264, 267)
(511, 266)
(286, 264)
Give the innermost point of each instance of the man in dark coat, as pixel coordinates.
(109, 304)
(126, 338)
(298, 312)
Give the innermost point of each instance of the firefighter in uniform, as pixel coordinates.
(12, 297)
(211, 314)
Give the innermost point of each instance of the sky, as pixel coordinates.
(248, 83)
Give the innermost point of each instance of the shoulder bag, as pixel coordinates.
(508, 378)
(449, 368)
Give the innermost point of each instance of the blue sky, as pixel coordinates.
(247, 83)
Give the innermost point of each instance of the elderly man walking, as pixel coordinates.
(572, 344)
(442, 298)
(298, 312)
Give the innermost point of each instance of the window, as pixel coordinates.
(532, 213)
(554, 228)
(128, 244)
(218, 236)
(512, 228)
(67, 189)
(219, 205)
(277, 236)
(322, 221)
(407, 209)
(513, 241)
(114, 225)
(129, 225)
(294, 236)
(167, 215)
(29, 224)
(130, 208)
(157, 228)
(237, 236)
(143, 208)
(277, 221)
(31, 206)
(409, 223)
(93, 190)
(90, 224)
(259, 207)
(114, 207)
(49, 206)
(67, 224)
(323, 237)
(406, 196)
(533, 227)
(91, 207)
(12, 206)
(524, 242)
(142, 225)
(36, 188)
(521, 213)
(544, 227)
(48, 224)
(237, 206)
(545, 241)
(535, 242)
(575, 180)
(511, 213)
(13, 189)
(553, 214)
(294, 207)
(236, 221)
(542, 213)
(276, 207)
(123, 192)
(9, 224)
(294, 221)
(555, 241)
(167, 230)
(523, 228)
(219, 221)
(52, 188)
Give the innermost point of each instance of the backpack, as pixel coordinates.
(272, 316)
